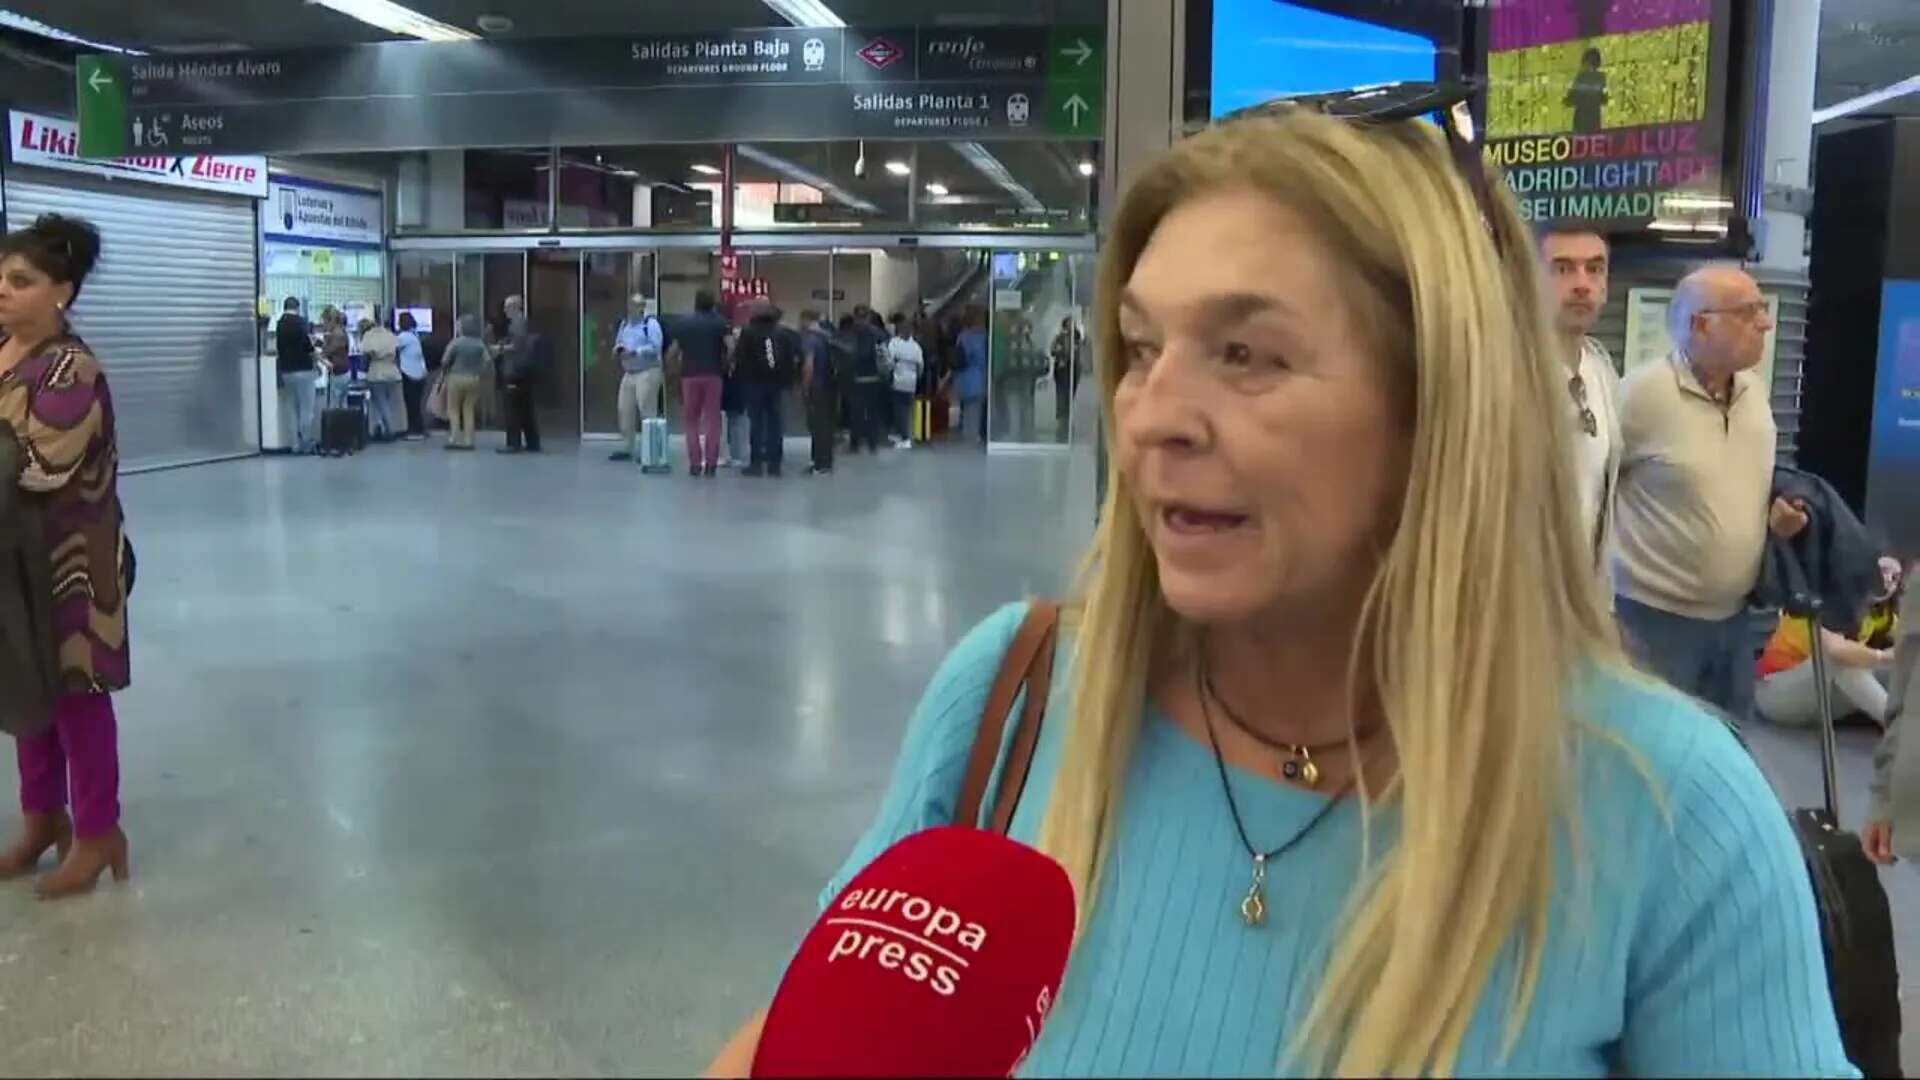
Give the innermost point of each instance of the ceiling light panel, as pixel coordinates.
(1867, 101)
(804, 176)
(395, 19)
(805, 12)
(991, 167)
(13, 20)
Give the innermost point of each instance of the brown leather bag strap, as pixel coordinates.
(1030, 655)
(1033, 713)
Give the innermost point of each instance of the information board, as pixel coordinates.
(727, 86)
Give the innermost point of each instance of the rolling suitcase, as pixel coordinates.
(343, 431)
(1855, 922)
(922, 420)
(942, 420)
(653, 446)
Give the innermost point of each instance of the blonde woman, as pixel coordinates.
(1347, 769)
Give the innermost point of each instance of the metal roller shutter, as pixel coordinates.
(169, 310)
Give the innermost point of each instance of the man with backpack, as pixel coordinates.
(765, 359)
(822, 388)
(639, 344)
(857, 347)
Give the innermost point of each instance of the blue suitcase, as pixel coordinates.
(653, 446)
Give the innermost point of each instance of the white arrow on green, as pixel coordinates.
(99, 80)
(1081, 52)
(1076, 107)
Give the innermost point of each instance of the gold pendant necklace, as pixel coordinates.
(1300, 766)
(1253, 909)
(1253, 906)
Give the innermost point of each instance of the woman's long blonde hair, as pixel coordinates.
(1484, 602)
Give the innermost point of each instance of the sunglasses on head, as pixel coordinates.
(1589, 423)
(1449, 103)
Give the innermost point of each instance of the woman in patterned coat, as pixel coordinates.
(54, 396)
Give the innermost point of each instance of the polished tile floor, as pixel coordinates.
(464, 764)
(461, 764)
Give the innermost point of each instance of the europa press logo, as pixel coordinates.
(923, 941)
(881, 53)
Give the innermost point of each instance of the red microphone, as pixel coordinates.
(942, 958)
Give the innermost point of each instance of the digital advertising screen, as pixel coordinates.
(1893, 469)
(1613, 111)
(422, 318)
(1242, 53)
(1266, 49)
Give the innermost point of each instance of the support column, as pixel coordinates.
(1791, 33)
(446, 189)
(1795, 51)
(1146, 40)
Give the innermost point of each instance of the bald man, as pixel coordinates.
(1695, 493)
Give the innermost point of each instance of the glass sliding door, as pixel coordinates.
(483, 282)
(1075, 390)
(1036, 305)
(554, 317)
(423, 286)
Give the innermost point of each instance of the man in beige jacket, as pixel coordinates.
(1695, 496)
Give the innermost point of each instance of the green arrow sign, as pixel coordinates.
(101, 89)
(1074, 109)
(1076, 80)
(1077, 53)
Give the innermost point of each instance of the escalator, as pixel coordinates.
(966, 283)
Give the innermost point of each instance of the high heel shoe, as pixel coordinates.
(43, 831)
(80, 871)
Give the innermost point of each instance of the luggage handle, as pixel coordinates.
(1803, 602)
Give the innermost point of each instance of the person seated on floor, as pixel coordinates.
(1345, 763)
(1893, 814)
(1856, 666)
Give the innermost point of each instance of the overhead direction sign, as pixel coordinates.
(738, 85)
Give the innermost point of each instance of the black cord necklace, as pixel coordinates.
(1299, 764)
(1253, 908)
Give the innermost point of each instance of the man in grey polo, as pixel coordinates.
(1695, 492)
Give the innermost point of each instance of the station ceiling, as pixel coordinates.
(280, 24)
(1864, 44)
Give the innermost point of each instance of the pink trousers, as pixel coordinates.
(701, 395)
(76, 757)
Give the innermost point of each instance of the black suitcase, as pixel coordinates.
(344, 431)
(1855, 922)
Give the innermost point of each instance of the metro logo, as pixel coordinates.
(881, 53)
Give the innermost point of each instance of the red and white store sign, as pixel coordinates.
(47, 143)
